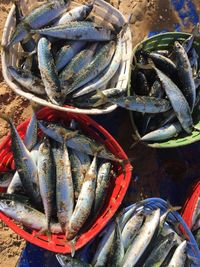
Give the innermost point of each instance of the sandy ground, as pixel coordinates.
(147, 15)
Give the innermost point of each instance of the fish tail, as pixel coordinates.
(103, 98)
(73, 246)
(7, 118)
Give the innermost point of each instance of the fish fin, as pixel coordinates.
(42, 231)
(135, 143)
(172, 208)
(35, 106)
(73, 246)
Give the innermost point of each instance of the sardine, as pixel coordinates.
(27, 80)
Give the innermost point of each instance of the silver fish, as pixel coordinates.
(27, 80)
(83, 30)
(84, 202)
(48, 72)
(31, 136)
(178, 101)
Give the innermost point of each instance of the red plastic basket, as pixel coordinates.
(190, 203)
(118, 186)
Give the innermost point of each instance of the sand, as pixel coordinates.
(147, 15)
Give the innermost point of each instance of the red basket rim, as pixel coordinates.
(190, 203)
(119, 190)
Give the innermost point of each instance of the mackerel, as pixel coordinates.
(179, 257)
(110, 71)
(92, 70)
(24, 164)
(178, 101)
(144, 104)
(26, 79)
(185, 74)
(48, 72)
(67, 52)
(84, 202)
(76, 14)
(64, 185)
(46, 179)
(77, 63)
(39, 17)
(31, 136)
(27, 215)
(142, 240)
(78, 30)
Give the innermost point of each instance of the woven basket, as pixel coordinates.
(114, 198)
(104, 14)
(165, 41)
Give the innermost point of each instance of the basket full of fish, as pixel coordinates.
(67, 177)
(191, 211)
(164, 93)
(148, 233)
(59, 53)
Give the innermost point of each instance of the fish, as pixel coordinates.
(82, 59)
(79, 166)
(37, 18)
(15, 184)
(76, 14)
(78, 30)
(68, 261)
(131, 229)
(109, 73)
(76, 141)
(101, 254)
(5, 179)
(64, 185)
(179, 256)
(103, 182)
(166, 132)
(31, 136)
(90, 71)
(185, 74)
(47, 180)
(144, 104)
(26, 79)
(196, 212)
(67, 52)
(178, 101)
(142, 240)
(85, 200)
(160, 252)
(116, 252)
(25, 165)
(48, 72)
(27, 215)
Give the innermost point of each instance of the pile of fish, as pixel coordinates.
(195, 227)
(66, 56)
(165, 88)
(61, 179)
(138, 237)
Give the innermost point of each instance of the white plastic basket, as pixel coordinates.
(104, 14)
